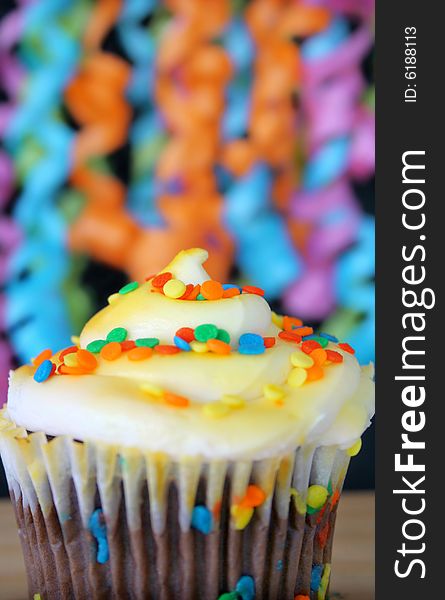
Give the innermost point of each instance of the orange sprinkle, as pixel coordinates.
(347, 348)
(111, 351)
(217, 509)
(309, 346)
(166, 349)
(334, 356)
(335, 498)
(218, 347)
(290, 322)
(252, 289)
(127, 345)
(175, 400)
(319, 356)
(231, 292)
(194, 293)
(212, 290)
(65, 370)
(302, 597)
(305, 331)
(188, 290)
(289, 336)
(68, 350)
(323, 535)
(269, 342)
(86, 360)
(314, 373)
(44, 355)
(160, 280)
(254, 497)
(140, 353)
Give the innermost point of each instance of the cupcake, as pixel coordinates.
(191, 444)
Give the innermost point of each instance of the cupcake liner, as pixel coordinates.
(142, 544)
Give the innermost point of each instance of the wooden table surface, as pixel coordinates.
(353, 564)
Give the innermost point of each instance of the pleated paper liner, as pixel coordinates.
(143, 545)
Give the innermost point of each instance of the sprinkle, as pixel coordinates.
(194, 293)
(246, 587)
(273, 392)
(229, 596)
(355, 448)
(230, 286)
(130, 287)
(317, 338)
(279, 566)
(252, 289)
(314, 373)
(199, 347)
(200, 297)
(289, 336)
(223, 335)
(150, 342)
(300, 504)
(334, 356)
(297, 377)
(251, 339)
(215, 410)
(181, 344)
(212, 290)
(253, 497)
(316, 577)
(316, 496)
(160, 280)
(233, 401)
(166, 349)
(152, 389)
(127, 345)
(290, 323)
(347, 348)
(241, 516)
(251, 349)
(44, 355)
(219, 347)
(231, 292)
(99, 531)
(322, 590)
(70, 360)
(206, 332)
(202, 519)
(111, 351)
(329, 337)
(300, 359)
(118, 334)
(86, 359)
(176, 400)
(188, 290)
(44, 371)
(303, 331)
(66, 370)
(186, 333)
(37, 597)
(113, 298)
(269, 342)
(69, 350)
(140, 353)
(174, 288)
(319, 356)
(278, 320)
(310, 345)
(302, 597)
(96, 346)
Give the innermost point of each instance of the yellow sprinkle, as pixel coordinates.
(277, 320)
(297, 377)
(215, 410)
(75, 339)
(200, 347)
(233, 401)
(37, 597)
(241, 515)
(112, 299)
(174, 288)
(71, 360)
(152, 389)
(273, 392)
(300, 359)
(300, 504)
(355, 448)
(316, 496)
(322, 590)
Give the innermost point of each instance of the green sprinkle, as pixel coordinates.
(311, 510)
(96, 346)
(200, 297)
(206, 332)
(223, 335)
(130, 287)
(229, 596)
(149, 342)
(118, 334)
(321, 340)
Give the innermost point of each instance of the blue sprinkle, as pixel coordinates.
(246, 587)
(99, 531)
(329, 337)
(180, 343)
(280, 565)
(317, 571)
(229, 286)
(251, 349)
(43, 371)
(202, 519)
(251, 339)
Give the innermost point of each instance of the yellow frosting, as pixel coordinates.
(121, 402)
